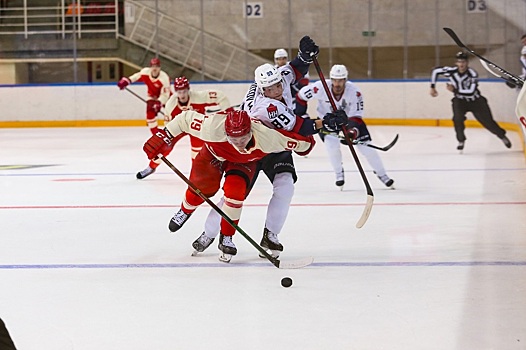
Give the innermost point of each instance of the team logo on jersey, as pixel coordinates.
(315, 89)
(358, 94)
(212, 94)
(272, 111)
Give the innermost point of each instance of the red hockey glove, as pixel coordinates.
(159, 143)
(123, 83)
(154, 106)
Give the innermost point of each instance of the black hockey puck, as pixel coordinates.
(286, 282)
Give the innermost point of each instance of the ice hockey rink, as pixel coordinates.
(86, 260)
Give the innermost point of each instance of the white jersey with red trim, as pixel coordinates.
(198, 101)
(273, 113)
(351, 100)
(158, 88)
(211, 129)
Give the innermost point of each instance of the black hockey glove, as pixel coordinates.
(510, 84)
(307, 48)
(334, 121)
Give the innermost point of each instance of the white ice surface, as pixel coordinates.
(87, 263)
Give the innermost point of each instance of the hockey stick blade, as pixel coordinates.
(295, 264)
(389, 146)
(354, 142)
(366, 211)
(507, 75)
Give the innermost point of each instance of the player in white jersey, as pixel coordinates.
(233, 145)
(269, 99)
(348, 97)
(158, 84)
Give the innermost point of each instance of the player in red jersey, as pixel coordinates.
(158, 84)
(186, 99)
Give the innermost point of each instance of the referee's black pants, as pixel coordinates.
(480, 109)
(6, 343)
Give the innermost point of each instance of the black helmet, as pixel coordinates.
(461, 55)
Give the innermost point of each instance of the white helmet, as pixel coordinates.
(266, 75)
(338, 71)
(280, 53)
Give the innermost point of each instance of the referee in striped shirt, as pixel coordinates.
(463, 82)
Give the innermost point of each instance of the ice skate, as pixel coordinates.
(460, 146)
(201, 243)
(227, 248)
(506, 141)
(340, 180)
(271, 242)
(386, 180)
(145, 173)
(178, 220)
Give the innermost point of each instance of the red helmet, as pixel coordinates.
(181, 83)
(155, 62)
(237, 123)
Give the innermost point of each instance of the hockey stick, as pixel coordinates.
(275, 261)
(140, 98)
(135, 94)
(506, 75)
(370, 195)
(356, 142)
(510, 82)
(215, 110)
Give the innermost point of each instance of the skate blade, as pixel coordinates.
(225, 257)
(195, 252)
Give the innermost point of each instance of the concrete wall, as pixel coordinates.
(341, 23)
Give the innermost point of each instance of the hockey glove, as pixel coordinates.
(123, 83)
(159, 143)
(510, 84)
(334, 121)
(308, 48)
(153, 105)
(353, 135)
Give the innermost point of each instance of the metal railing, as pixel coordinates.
(156, 32)
(96, 17)
(189, 46)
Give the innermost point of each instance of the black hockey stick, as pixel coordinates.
(356, 142)
(370, 195)
(140, 98)
(512, 78)
(275, 261)
(135, 94)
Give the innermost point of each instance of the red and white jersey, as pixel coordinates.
(273, 113)
(351, 100)
(158, 88)
(211, 129)
(198, 101)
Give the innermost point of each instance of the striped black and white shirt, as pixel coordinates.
(466, 84)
